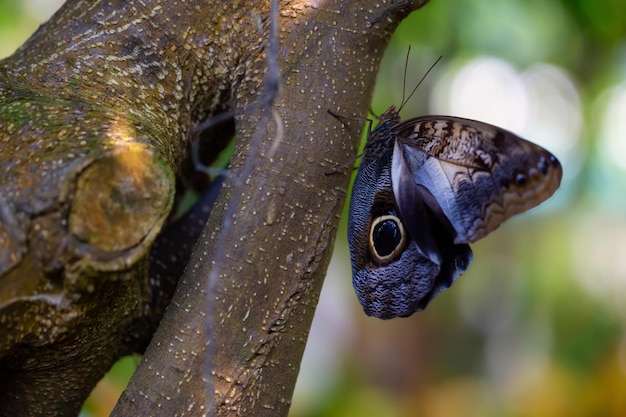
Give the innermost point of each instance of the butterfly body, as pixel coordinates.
(425, 189)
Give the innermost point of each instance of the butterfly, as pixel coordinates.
(426, 188)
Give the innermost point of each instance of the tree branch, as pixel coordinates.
(132, 75)
(277, 252)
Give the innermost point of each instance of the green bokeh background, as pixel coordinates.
(536, 326)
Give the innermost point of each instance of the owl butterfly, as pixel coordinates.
(425, 189)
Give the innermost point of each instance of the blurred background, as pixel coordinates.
(537, 325)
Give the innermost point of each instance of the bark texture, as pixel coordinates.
(97, 112)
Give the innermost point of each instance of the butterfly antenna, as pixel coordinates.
(406, 65)
(418, 84)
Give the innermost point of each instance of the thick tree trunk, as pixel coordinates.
(103, 100)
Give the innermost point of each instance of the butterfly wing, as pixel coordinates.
(399, 263)
(473, 176)
(415, 267)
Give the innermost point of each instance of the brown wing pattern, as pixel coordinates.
(480, 175)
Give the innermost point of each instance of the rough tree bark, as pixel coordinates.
(96, 116)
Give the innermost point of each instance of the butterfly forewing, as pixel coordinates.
(479, 175)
